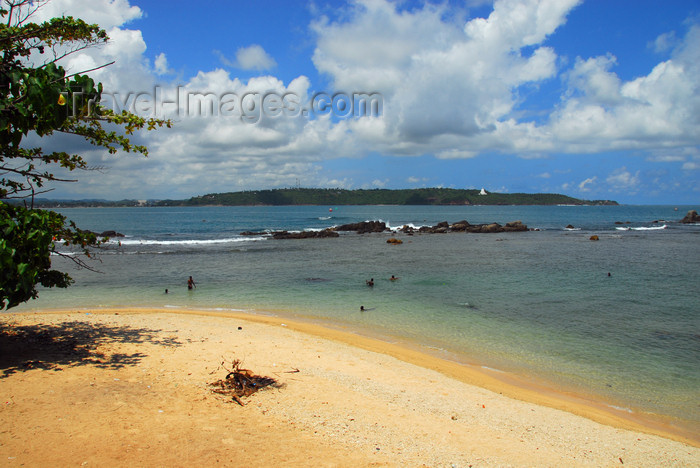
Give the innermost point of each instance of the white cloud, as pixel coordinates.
(664, 42)
(107, 13)
(602, 112)
(442, 82)
(254, 57)
(161, 64)
(583, 186)
(623, 180)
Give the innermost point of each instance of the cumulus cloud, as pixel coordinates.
(107, 13)
(161, 64)
(445, 84)
(658, 109)
(622, 179)
(254, 57)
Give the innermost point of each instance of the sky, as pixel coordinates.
(596, 99)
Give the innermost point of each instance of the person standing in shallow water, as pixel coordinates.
(191, 284)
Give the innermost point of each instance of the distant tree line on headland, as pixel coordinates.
(421, 196)
(317, 196)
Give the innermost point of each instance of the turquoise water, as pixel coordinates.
(536, 303)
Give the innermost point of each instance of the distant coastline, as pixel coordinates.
(317, 196)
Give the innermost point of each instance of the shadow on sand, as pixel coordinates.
(66, 344)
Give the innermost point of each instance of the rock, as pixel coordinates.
(460, 226)
(493, 227)
(593, 238)
(107, 234)
(251, 233)
(691, 217)
(363, 227)
(394, 241)
(570, 226)
(515, 226)
(304, 234)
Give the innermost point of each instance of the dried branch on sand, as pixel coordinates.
(241, 383)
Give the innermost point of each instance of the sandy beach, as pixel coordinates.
(124, 387)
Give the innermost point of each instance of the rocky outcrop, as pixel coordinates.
(691, 217)
(363, 227)
(107, 233)
(378, 226)
(304, 234)
(459, 226)
(464, 226)
(515, 226)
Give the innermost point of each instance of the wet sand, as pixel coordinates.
(121, 387)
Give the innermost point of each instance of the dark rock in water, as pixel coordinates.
(493, 227)
(106, 233)
(570, 226)
(691, 217)
(304, 234)
(363, 227)
(464, 226)
(460, 226)
(251, 233)
(515, 226)
(664, 335)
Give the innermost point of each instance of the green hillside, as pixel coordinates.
(424, 196)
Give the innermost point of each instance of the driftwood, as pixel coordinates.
(241, 383)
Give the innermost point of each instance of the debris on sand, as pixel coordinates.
(241, 382)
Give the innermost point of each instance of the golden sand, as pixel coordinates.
(125, 387)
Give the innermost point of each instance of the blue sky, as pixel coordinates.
(595, 99)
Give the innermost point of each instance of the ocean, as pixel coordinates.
(617, 318)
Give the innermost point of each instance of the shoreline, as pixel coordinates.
(493, 380)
